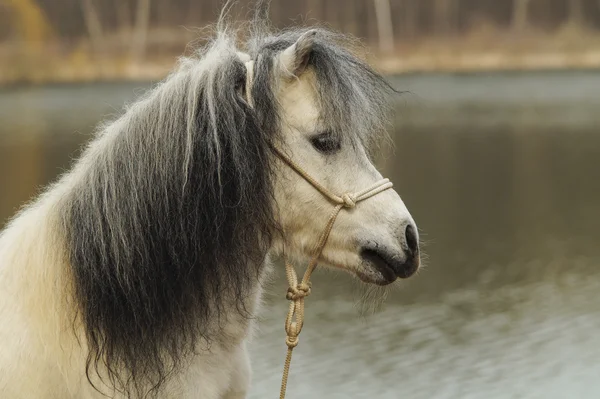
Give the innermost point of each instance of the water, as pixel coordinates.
(501, 173)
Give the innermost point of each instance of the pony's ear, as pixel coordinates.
(294, 59)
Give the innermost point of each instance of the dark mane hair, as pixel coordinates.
(171, 218)
(171, 212)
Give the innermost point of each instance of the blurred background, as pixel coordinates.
(67, 40)
(497, 156)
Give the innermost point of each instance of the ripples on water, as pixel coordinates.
(501, 173)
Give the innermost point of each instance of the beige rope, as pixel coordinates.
(298, 291)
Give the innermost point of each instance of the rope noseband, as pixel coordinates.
(299, 290)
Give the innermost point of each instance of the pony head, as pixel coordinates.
(330, 110)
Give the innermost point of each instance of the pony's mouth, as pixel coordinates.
(384, 267)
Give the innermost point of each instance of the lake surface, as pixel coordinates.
(502, 174)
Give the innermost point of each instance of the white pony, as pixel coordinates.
(139, 272)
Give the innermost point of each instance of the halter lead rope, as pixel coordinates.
(297, 291)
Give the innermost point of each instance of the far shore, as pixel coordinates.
(474, 53)
(425, 63)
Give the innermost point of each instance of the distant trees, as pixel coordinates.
(520, 14)
(92, 23)
(575, 9)
(385, 25)
(28, 20)
(445, 16)
(122, 12)
(123, 15)
(409, 18)
(142, 22)
(382, 22)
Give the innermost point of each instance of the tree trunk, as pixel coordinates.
(193, 13)
(385, 27)
(575, 12)
(410, 11)
(314, 9)
(142, 20)
(350, 21)
(445, 16)
(123, 15)
(520, 14)
(164, 12)
(93, 25)
(275, 14)
(333, 14)
(362, 17)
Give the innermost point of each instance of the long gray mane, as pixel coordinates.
(172, 218)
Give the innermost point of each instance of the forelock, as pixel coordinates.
(353, 99)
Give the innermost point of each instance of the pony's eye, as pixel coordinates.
(326, 143)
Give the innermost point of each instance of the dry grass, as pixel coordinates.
(484, 49)
(487, 49)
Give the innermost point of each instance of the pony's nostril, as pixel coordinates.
(411, 239)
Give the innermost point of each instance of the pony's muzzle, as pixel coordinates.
(412, 262)
(393, 263)
(412, 241)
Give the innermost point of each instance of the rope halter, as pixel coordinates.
(299, 290)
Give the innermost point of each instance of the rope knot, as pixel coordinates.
(291, 342)
(300, 291)
(349, 200)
